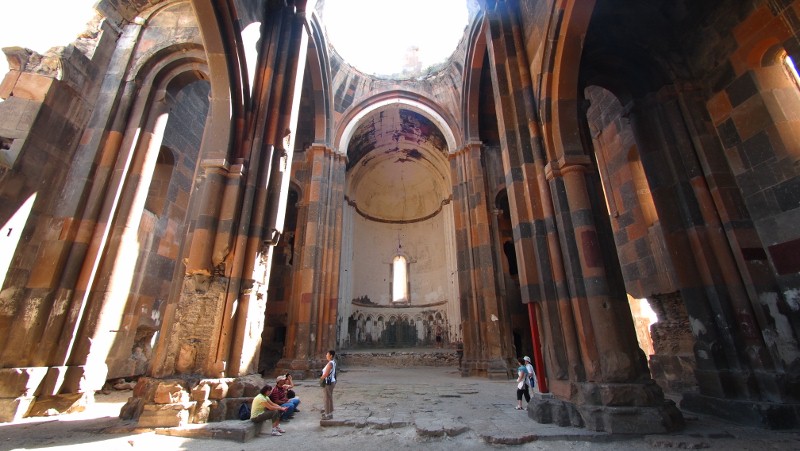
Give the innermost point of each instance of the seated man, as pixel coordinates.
(278, 396)
(289, 386)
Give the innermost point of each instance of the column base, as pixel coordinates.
(655, 417)
(751, 413)
(299, 368)
(491, 369)
(38, 391)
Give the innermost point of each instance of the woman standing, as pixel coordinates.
(328, 378)
(522, 384)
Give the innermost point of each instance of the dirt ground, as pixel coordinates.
(387, 409)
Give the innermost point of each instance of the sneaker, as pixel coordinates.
(276, 432)
(519, 408)
(279, 429)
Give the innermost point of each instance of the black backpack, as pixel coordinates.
(244, 411)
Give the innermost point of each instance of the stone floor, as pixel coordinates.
(382, 408)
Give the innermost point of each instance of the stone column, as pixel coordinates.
(200, 259)
(673, 363)
(729, 324)
(110, 294)
(536, 238)
(617, 380)
(485, 352)
(313, 305)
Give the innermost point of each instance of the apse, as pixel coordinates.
(398, 266)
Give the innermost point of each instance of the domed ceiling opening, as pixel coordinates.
(399, 39)
(397, 167)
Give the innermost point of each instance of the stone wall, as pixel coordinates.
(399, 359)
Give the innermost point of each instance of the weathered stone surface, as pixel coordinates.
(761, 414)
(12, 409)
(146, 387)
(235, 389)
(165, 415)
(169, 394)
(633, 420)
(219, 391)
(216, 411)
(23, 382)
(51, 385)
(84, 378)
(500, 439)
(676, 442)
(439, 427)
(227, 409)
(132, 409)
(239, 431)
(546, 409)
(399, 358)
(186, 358)
(200, 393)
(251, 385)
(54, 405)
(201, 412)
(124, 385)
(386, 423)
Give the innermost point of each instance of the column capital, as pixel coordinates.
(214, 163)
(567, 164)
(468, 146)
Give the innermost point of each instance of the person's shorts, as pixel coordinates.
(267, 415)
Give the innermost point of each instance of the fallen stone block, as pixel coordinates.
(46, 406)
(235, 430)
(170, 393)
(200, 393)
(165, 415)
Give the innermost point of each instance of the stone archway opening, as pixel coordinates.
(659, 317)
(398, 268)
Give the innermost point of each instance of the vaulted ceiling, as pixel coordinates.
(397, 166)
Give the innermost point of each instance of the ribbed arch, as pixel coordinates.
(472, 79)
(318, 61)
(407, 100)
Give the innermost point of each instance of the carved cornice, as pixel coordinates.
(364, 215)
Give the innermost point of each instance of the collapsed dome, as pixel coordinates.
(395, 39)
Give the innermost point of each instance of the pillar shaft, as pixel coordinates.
(485, 352)
(313, 304)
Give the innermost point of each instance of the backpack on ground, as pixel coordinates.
(244, 411)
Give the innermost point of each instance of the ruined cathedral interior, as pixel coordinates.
(209, 188)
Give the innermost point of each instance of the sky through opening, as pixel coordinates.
(42, 24)
(375, 36)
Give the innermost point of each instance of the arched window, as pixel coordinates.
(399, 279)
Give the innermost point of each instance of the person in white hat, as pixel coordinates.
(522, 384)
(531, 374)
(279, 397)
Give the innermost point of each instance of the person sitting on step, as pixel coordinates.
(263, 409)
(278, 396)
